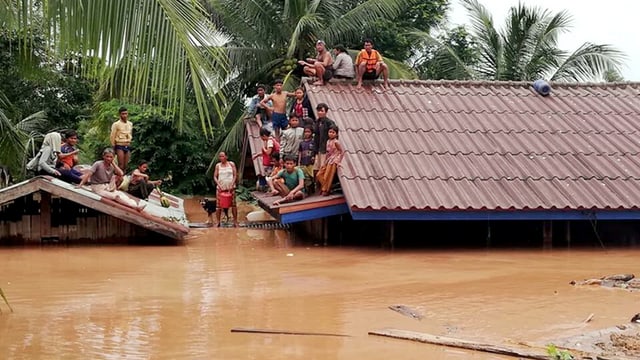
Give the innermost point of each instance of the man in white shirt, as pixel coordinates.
(343, 64)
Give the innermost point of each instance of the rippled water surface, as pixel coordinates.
(181, 302)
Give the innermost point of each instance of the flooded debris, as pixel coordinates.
(266, 225)
(407, 311)
(283, 332)
(622, 281)
(617, 342)
(525, 353)
(199, 225)
(589, 318)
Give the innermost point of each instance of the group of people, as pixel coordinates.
(369, 64)
(300, 152)
(58, 157)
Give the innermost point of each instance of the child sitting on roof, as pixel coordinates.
(292, 185)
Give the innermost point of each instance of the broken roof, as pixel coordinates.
(461, 149)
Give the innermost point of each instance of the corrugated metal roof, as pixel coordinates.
(455, 145)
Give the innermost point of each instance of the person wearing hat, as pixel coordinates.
(320, 67)
(343, 64)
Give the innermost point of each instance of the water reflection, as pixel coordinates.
(181, 302)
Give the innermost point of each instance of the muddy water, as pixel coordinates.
(181, 302)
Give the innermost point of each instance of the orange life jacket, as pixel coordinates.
(371, 59)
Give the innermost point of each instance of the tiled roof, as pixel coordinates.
(450, 145)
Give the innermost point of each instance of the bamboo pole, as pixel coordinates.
(283, 332)
(461, 344)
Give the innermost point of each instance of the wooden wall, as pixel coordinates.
(40, 218)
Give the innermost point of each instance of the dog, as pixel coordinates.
(5, 177)
(210, 206)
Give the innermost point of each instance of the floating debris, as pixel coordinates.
(407, 311)
(621, 281)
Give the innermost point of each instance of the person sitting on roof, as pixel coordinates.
(140, 185)
(103, 175)
(320, 67)
(343, 64)
(369, 64)
(292, 188)
(68, 158)
(44, 163)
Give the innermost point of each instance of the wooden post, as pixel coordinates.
(325, 231)
(392, 234)
(568, 233)
(243, 157)
(45, 215)
(547, 234)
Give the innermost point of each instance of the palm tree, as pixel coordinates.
(155, 51)
(267, 33)
(17, 137)
(267, 36)
(526, 48)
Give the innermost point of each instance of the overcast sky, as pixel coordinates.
(614, 22)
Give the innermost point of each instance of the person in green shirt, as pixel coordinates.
(292, 188)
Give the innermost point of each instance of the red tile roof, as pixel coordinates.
(451, 145)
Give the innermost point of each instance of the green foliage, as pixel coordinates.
(526, 48)
(182, 156)
(45, 84)
(450, 56)
(158, 51)
(558, 354)
(392, 37)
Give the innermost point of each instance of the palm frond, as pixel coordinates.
(153, 44)
(309, 23)
(447, 59)
(232, 140)
(589, 62)
(490, 42)
(348, 26)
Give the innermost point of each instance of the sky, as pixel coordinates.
(613, 22)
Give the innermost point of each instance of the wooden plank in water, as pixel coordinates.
(283, 332)
(461, 344)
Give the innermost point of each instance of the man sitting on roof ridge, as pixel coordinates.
(369, 65)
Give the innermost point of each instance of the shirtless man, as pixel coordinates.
(278, 111)
(320, 67)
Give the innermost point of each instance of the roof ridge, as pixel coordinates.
(422, 152)
(491, 178)
(495, 83)
(490, 131)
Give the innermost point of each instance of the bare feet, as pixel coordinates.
(359, 86)
(318, 83)
(235, 224)
(386, 85)
(275, 192)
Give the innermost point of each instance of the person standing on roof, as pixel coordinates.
(343, 65)
(321, 134)
(302, 108)
(121, 135)
(320, 67)
(258, 111)
(279, 108)
(369, 64)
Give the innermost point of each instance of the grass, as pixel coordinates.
(5, 301)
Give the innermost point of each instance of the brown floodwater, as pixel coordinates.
(180, 302)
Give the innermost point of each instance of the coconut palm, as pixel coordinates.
(526, 48)
(269, 34)
(17, 137)
(155, 51)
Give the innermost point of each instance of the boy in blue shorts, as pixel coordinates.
(278, 110)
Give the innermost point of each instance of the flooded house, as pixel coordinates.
(44, 209)
(488, 162)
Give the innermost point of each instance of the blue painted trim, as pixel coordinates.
(499, 215)
(313, 214)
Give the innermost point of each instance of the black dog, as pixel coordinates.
(210, 206)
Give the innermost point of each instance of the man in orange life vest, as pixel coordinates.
(369, 64)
